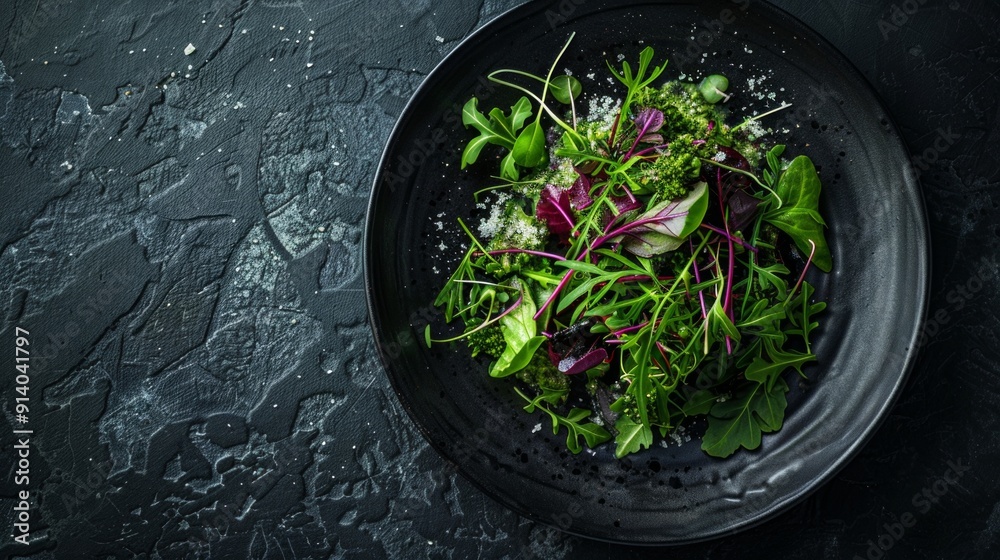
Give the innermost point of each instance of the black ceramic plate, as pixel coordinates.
(876, 293)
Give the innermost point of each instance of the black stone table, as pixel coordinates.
(182, 194)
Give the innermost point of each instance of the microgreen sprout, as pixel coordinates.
(663, 282)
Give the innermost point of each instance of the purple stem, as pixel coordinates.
(637, 140)
(555, 293)
(697, 278)
(569, 220)
(723, 233)
(633, 225)
(650, 150)
(627, 330)
(614, 130)
(802, 277)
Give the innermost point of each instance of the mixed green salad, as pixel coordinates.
(647, 256)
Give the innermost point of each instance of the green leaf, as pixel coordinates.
(474, 148)
(565, 88)
(799, 189)
(632, 437)
(700, 402)
(740, 421)
(519, 332)
(499, 129)
(721, 322)
(593, 434)
(764, 316)
(472, 117)
(529, 149)
(772, 276)
(507, 168)
(508, 126)
(764, 371)
(514, 359)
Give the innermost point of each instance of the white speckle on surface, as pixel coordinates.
(189, 49)
(537, 428)
(439, 39)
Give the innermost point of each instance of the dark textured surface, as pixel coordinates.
(185, 231)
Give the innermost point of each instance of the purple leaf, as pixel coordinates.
(575, 349)
(573, 365)
(554, 209)
(664, 227)
(742, 208)
(652, 139)
(649, 121)
(579, 193)
(730, 179)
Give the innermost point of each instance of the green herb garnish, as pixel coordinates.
(639, 259)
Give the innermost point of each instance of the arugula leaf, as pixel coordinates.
(529, 148)
(740, 421)
(498, 129)
(632, 436)
(591, 433)
(635, 82)
(799, 189)
(700, 402)
(768, 371)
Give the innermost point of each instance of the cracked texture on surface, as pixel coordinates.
(189, 225)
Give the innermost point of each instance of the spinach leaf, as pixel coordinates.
(799, 189)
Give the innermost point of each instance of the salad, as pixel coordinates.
(641, 266)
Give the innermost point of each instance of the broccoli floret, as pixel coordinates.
(542, 375)
(489, 340)
(673, 173)
(685, 111)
